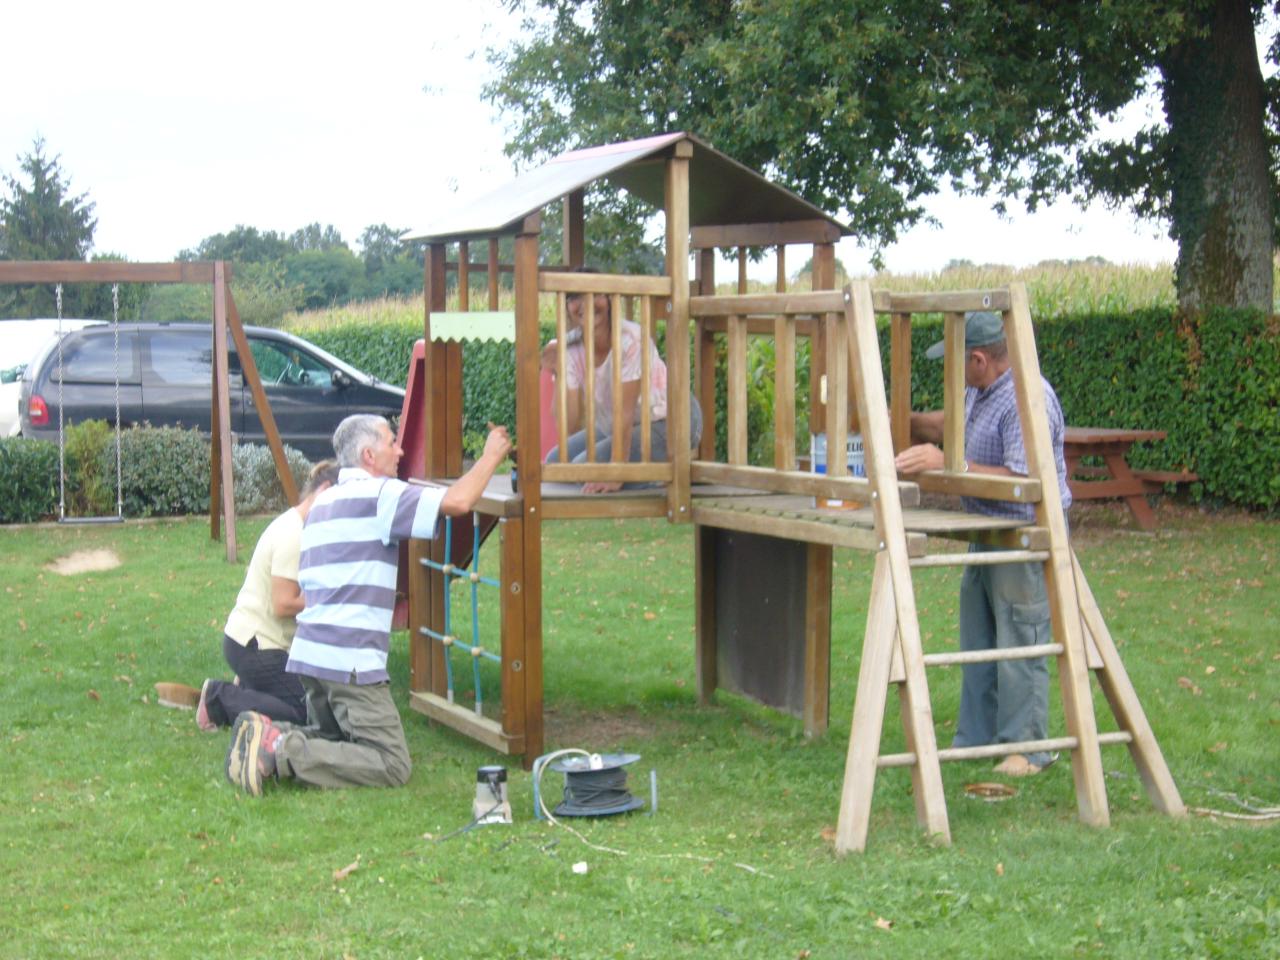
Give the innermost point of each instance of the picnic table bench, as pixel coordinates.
(1115, 478)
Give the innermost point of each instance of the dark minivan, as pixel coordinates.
(163, 374)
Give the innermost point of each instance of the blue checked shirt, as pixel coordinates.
(993, 436)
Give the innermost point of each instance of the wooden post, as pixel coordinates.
(493, 273)
(705, 357)
(677, 222)
(953, 385)
(704, 566)
(737, 393)
(824, 278)
(817, 639)
(528, 439)
(518, 720)
(900, 380)
(427, 658)
(1060, 584)
(222, 399)
(784, 392)
(573, 235)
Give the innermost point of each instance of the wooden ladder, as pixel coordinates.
(892, 651)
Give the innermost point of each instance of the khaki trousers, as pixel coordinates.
(353, 738)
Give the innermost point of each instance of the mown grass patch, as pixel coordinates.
(121, 838)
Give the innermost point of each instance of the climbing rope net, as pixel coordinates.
(449, 638)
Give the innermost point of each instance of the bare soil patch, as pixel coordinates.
(84, 561)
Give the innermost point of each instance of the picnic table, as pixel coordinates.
(1115, 478)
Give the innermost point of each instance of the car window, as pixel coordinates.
(284, 364)
(95, 360)
(180, 357)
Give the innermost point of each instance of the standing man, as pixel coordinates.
(1001, 605)
(348, 576)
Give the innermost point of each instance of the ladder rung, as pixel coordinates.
(987, 656)
(981, 559)
(1003, 749)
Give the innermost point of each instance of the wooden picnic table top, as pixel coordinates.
(1083, 435)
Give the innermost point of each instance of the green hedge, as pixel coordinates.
(164, 471)
(28, 480)
(384, 350)
(1212, 382)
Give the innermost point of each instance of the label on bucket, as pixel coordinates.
(854, 459)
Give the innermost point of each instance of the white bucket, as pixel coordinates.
(856, 465)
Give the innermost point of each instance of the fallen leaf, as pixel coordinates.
(1186, 684)
(1218, 747)
(999, 869)
(124, 678)
(828, 834)
(650, 615)
(884, 924)
(94, 695)
(1210, 671)
(346, 871)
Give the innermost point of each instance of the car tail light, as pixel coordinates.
(39, 411)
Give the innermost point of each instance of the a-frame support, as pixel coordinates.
(892, 650)
(218, 273)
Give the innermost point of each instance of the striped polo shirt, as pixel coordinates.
(993, 436)
(347, 571)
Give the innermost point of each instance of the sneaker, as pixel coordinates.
(1017, 765)
(251, 758)
(202, 710)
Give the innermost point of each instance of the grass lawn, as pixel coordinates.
(120, 836)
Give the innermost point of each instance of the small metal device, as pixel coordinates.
(491, 804)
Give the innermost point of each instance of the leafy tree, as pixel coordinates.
(241, 245)
(315, 237)
(869, 107)
(41, 219)
(326, 277)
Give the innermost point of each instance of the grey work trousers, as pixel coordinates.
(1004, 605)
(353, 738)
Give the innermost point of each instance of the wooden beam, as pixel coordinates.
(249, 371)
(767, 304)
(797, 482)
(957, 301)
(953, 387)
(763, 326)
(608, 283)
(110, 271)
(764, 234)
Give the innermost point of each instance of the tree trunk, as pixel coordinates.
(1221, 203)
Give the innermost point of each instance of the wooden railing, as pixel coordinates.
(631, 297)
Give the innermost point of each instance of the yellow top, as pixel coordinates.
(276, 555)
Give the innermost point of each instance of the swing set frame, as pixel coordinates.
(225, 318)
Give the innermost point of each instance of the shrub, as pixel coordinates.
(257, 484)
(164, 471)
(28, 479)
(90, 473)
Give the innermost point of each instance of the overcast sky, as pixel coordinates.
(181, 121)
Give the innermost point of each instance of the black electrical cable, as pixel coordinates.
(596, 789)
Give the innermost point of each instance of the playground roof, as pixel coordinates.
(721, 190)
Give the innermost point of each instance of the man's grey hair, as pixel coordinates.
(355, 434)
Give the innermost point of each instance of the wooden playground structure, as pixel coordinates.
(767, 637)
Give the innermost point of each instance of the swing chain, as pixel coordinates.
(115, 320)
(62, 460)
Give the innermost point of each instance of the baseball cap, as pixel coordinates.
(980, 328)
